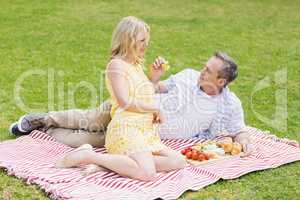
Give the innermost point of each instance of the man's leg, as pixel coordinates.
(92, 120)
(76, 138)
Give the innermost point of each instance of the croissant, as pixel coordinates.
(227, 147)
(236, 148)
(226, 144)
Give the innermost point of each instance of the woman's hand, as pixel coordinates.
(157, 70)
(158, 117)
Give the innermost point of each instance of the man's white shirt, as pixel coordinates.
(191, 113)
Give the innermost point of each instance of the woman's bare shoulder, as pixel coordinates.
(116, 65)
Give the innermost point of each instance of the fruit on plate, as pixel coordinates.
(211, 154)
(184, 151)
(188, 155)
(202, 157)
(194, 154)
(199, 146)
(210, 147)
(214, 148)
(219, 151)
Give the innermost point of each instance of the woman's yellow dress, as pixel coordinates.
(132, 132)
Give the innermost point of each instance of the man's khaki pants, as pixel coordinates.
(77, 127)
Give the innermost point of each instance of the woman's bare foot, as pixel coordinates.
(77, 157)
(92, 168)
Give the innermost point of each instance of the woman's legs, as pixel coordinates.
(168, 159)
(137, 166)
(165, 160)
(142, 165)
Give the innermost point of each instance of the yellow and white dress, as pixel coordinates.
(131, 132)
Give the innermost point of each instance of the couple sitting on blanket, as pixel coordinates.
(142, 110)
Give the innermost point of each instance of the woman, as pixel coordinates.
(133, 145)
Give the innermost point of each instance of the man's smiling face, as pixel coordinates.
(209, 79)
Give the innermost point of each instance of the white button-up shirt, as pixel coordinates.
(190, 112)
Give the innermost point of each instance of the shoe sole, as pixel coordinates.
(19, 124)
(11, 127)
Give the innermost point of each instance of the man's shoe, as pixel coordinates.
(30, 122)
(14, 130)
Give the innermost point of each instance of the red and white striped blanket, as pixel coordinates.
(32, 158)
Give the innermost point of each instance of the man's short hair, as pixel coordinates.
(229, 68)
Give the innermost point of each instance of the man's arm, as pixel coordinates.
(237, 125)
(244, 139)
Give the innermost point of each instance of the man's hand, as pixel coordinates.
(156, 70)
(245, 141)
(248, 149)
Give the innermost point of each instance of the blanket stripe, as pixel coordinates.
(32, 158)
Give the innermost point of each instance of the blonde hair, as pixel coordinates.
(124, 38)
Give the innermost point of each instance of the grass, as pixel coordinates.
(68, 42)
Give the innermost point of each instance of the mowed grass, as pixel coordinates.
(63, 47)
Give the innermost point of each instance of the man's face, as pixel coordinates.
(209, 77)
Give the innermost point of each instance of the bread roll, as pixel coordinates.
(236, 148)
(226, 144)
(227, 147)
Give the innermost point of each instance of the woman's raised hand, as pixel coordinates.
(158, 68)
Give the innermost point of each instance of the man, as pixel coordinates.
(194, 104)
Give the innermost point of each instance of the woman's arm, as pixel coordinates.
(156, 71)
(160, 87)
(117, 77)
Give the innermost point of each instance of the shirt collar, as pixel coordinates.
(201, 92)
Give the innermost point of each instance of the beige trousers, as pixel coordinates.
(76, 127)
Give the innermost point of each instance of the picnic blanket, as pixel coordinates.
(32, 158)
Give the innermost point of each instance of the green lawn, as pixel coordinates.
(67, 42)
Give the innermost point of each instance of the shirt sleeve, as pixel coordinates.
(186, 76)
(169, 83)
(230, 119)
(236, 122)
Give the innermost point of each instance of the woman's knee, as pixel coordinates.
(146, 170)
(176, 159)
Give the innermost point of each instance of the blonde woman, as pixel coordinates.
(133, 145)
